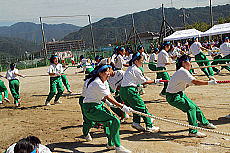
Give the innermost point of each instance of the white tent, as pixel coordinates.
(217, 29)
(183, 34)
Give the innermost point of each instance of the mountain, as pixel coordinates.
(32, 32)
(109, 30)
(16, 47)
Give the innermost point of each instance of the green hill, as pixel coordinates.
(108, 30)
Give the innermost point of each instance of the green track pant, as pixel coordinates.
(223, 62)
(55, 85)
(182, 102)
(98, 113)
(14, 89)
(163, 76)
(207, 71)
(3, 89)
(132, 98)
(65, 82)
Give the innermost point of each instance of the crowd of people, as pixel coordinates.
(106, 83)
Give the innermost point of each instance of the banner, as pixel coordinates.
(63, 55)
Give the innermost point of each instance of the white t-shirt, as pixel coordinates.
(57, 69)
(115, 81)
(179, 80)
(41, 149)
(195, 48)
(84, 88)
(225, 48)
(163, 57)
(132, 77)
(119, 61)
(145, 56)
(104, 61)
(96, 91)
(10, 74)
(153, 58)
(128, 58)
(113, 58)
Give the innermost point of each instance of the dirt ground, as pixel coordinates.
(59, 126)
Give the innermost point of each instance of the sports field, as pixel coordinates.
(59, 126)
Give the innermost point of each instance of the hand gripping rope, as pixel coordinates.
(181, 124)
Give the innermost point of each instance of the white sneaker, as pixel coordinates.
(57, 102)
(122, 149)
(138, 127)
(7, 100)
(198, 135)
(1, 102)
(209, 126)
(227, 116)
(153, 129)
(47, 103)
(110, 147)
(164, 96)
(88, 137)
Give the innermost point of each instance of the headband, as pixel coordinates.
(135, 56)
(102, 68)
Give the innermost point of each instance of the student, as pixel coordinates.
(115, 83)
(4, 90)
(55, 70)
(66, 82)
(153, 59)
(176, 97)
(119, 61)
(162, 62)
(196, 50)
(130, 95)
(97, 89)
(225, 51)
(27, 144)
(215, 53)
(12, 75)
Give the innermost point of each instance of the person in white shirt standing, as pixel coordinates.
(196, 50)
(97, 89)
(119, 61)
(176, 97)
(130, 95)
(55, 70)
(153, 59)
(225, 51)
(163, 60)
(12, 76)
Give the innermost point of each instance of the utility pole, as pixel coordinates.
(211, 14)
(184, 15)
(91, 31)
(43, 38)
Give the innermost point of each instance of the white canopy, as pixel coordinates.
(183, 34)
(217, 29)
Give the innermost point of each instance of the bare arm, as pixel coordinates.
(111, 99)
(199, 82)
(19, 75)
(148, 82)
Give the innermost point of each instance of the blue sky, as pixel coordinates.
(12, 11)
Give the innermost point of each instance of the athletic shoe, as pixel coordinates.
(110, 147)
(7, 100)
(122, 149)
(198, 135)
(47, 103)
(17, 104)
(164, 96)
(88, 137)
(209, 126)
(227, 116)
(57, 102)
(1, 102)
(138, 127)
(153, 129)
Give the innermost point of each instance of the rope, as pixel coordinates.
(200, 67)
(225, 60)
(226, 81)
(181, 124)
